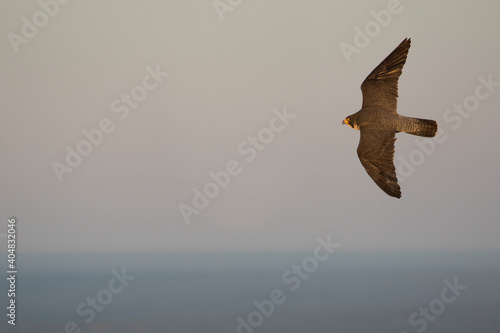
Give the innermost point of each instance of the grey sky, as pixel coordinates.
(225, 79)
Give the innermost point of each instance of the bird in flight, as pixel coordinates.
(378, 121)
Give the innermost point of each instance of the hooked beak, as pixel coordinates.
(343, 122)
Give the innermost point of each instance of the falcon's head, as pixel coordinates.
(351, 122)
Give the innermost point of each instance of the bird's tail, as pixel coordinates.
(420, 127)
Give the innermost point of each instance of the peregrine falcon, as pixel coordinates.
(378, 121)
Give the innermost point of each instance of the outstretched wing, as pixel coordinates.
(380, 88)
(376, 153)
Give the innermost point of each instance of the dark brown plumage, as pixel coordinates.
(378, 121)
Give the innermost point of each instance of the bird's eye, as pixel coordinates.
(349, 119)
